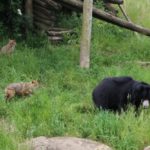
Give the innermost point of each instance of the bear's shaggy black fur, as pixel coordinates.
(114, 93)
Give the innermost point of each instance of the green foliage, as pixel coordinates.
(98, 3)
(138, 11)
(6, 134)
(11, 22)
(4, 29)
(73, 22)
(62, 105)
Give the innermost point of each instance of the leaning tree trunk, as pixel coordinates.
(86, 34)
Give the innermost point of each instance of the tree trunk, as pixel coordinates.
(29, 14)
(86, 34)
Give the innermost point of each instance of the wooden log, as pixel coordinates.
(28, 8)
(57, 29)
(29, 15)
(41, 15)
(53, 4)
(97, 13)
(43, 10)
(70, 8)
(41, 3)
(58, 33)
(143, 63)
(124, 13)
(44, 21)
(85, 43)
(55, 38)
(49, 4)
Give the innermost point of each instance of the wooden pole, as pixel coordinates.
(124, 13)
(86, 34)
(29, 14)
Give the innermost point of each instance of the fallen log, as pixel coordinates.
(57, 29)
(58, 33)
(97, 13)
(143, 63)
(55, 38)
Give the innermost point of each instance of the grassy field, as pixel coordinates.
(62, 106)
(138, 11)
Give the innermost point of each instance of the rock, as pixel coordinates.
(64, 143)
(147, 148)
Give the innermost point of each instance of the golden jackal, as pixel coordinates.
(8, 48)
(22, 89)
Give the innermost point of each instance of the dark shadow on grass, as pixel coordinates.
(82, 108)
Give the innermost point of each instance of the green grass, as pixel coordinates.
(138, 11)
(62, 106)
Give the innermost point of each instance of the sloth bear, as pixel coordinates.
(115, 93)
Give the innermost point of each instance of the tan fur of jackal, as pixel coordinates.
(21, 89)
(8, 48)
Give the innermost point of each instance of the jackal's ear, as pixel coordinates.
(12, 40)
(35, 82)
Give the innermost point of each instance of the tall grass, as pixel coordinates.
(62, 106)
(138, 11)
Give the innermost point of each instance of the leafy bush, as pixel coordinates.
(11, 22)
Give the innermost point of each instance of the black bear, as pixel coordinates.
(114, 93)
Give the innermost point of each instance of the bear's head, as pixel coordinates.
(141, 94)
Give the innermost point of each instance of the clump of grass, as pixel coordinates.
(9, 137)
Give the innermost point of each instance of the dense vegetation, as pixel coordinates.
(62, 106)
